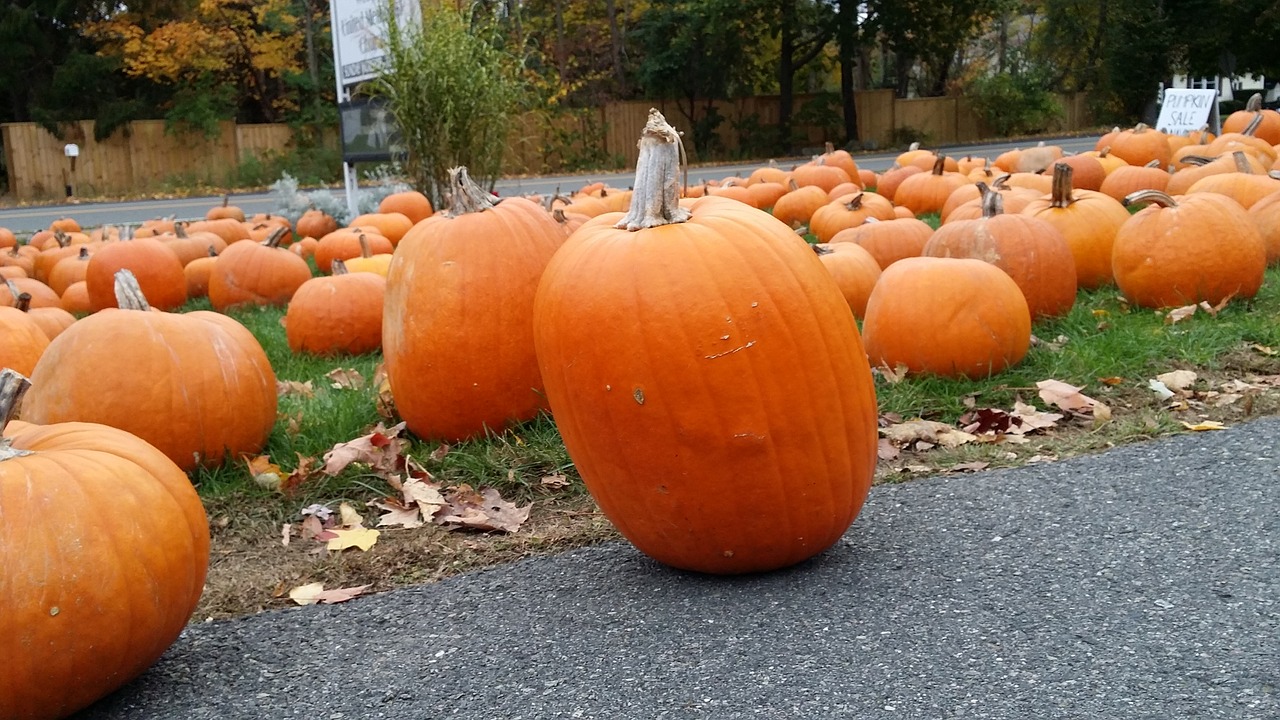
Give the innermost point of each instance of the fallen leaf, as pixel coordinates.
(1213, 310)
(286, 531)
(380, 450)
(1067, 397)
(396, 513)
(894, 375)
(886, 450)
(349, 517)
(438, 454)
(1160, 389)
(1177, 380)
(345, 379)
(265, 474)
(304, 471)
(484, 511)
(1030, 418)
(555, 481)
(311, 528)
(318, 511)
(1264, 349)
(1179, 314)
(425, 495)
(928, 431)
(1111, 380)
(306, 594)
(974, 466)
(363, 538)
(384, 403)
(1204, 425)
(293, 387)
(314, 593)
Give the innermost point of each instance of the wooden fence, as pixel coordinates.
(144, 157)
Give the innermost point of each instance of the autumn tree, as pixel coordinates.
(226, 58)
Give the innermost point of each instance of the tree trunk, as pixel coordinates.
(309, 28)
(615, 42)
(561, 54)
(847, 18)
(786, 74)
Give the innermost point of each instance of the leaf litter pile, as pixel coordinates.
(381, 509)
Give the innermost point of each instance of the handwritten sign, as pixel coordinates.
(1184, 111)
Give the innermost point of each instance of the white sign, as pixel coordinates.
(71, 150)
(1184, 111)
(359, 32)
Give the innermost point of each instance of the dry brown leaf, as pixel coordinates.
(927, 431)
(293, 387)
(484, 510)
(555, 481)
(1113, 380)
(974, 466)
(1030, 418)
(1179, 314)
(1264, 349)
(345, 379)
(314, 593)
(349, 518)
(1213, 310)
(1177, 380)
(894, 375)
(1067, 397)
(381, 450)
(311, 528)
(396, 513)
(886, 450)
(304, 471)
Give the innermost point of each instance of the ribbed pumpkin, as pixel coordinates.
(338, 313)
(391, 226)
(796, 207)
(250, 273)
(225, 211)
(412, 204)
(888, 241)
(927, 192)
(1030, 250)
(344, 244)
(1128, 179)
(154, 264)
(854, 271)
(817, 172)
(678, 353)
(1266, 216)
(7, 238)
(953, 317)
(1268, 121)
(196, 385)
(1087, 172)
(458, 328)
(51, 319)
(315, 223)
(848, 211)
(1087, 220)
(1245, 185)
(24, 340)
(104, 547)
(1140, 145)
(1182, 251)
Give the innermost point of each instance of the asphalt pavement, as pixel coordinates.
(1142, 582)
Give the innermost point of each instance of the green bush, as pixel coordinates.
(1014, 104)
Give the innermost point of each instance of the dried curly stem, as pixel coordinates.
(128, 293)
(1152, 196)
(467, 196)
(1062, 173)
(12, 385)
(656, 198)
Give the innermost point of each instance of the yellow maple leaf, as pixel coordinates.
(1205, 425)
(363, 538)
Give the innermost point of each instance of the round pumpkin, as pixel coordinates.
(412, 204)
(339, 313)
(250, 273)
(888, 241)
(156, 267)
(458, 328)
(854, 270)
(196, 385)
(951, 317)
(1088, 220)
(678, 350)
(1180, 251)
(24, 340)
(104, 546)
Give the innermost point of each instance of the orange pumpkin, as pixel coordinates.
(458, 328)
(249, 273)
(646, 327)
(1088, 221)
(412, 204)
(154, 264)
(1161, 257)
(339, 313)
(854, 270)
(91, 599)
(196, 385)
(24, 340)
(952, 317)
(888, 241)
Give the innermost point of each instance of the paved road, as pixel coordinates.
(1143, 582)
(30, 219)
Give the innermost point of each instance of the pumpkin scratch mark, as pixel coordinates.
(730, 352)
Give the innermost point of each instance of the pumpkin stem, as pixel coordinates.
(468, 197)
(1152, 196)
(180, 229)
(1061, 196)
(992, 201)
(212, 252)
(1153, 164)
(1254, 104)
(365, 252)
(1253, 125)
(24, 302)
(855, 202)
(559, 216)
(1104, 151)
(276, 237)
(656, 198)
(1000, 182)
(128, 293)
(822, 248)
(62, 238)
(1192, 160)
(226, 200)
(12, 385)
(1140, 128)
(339, 267)
(1274, 174)
(84, 253)
(829, 146)
(939, 164)
(1242, 162)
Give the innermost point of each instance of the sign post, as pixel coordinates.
(1183, 111)
(72, 151)
(359, 52)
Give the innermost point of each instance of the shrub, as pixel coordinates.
(1014, 104)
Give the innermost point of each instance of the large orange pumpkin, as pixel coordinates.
(104, 547)
(339, 313)
(678, 353)
(155, 265)
(952, 317)
(197, 385)
(1088, 220)
(1179, 251)
(250, 273)
(458, 327)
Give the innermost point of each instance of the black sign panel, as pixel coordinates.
(369, 132)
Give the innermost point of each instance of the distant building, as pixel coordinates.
(1240, 87)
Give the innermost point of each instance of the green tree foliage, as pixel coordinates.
(453, 91)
